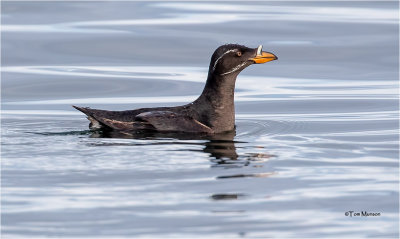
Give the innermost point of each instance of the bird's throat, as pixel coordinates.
(215, 105)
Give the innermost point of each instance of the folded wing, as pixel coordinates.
(171, 121)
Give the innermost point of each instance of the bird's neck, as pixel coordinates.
(215, 105)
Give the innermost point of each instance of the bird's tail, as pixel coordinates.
(94, 123)
(87, 111)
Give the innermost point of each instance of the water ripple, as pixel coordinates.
(226, 13)
(248, 88)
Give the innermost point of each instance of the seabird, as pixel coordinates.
(211, 113)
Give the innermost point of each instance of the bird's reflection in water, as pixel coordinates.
(227, 196)
(220, 147)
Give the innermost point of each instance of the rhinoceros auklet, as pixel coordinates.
(213, 112)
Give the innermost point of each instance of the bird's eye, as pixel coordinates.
(239, 53)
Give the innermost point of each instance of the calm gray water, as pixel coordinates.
(317, 130)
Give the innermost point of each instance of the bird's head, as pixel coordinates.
(231, 59)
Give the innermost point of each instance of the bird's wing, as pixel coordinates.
(126, 126)
(171, 121)
(166, 121)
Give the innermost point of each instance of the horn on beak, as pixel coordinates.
(259, 50)
(262, 56)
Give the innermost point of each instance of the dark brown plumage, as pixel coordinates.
(213, 112)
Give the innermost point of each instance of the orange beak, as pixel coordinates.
(263, 57)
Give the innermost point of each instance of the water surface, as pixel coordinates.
(316, 131)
